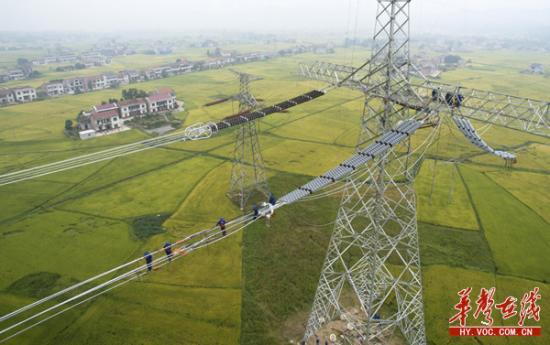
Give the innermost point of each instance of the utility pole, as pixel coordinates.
(248, 171)
(373, 252)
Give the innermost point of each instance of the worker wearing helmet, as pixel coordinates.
(221, 224)
(168, 250)
(256, 211)
(272, 199)
(148, 260)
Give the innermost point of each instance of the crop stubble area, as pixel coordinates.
(479, 224)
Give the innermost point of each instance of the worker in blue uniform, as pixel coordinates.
(221, 224)
(449, 99)
(148, 260)
(459, 100)
(256, 211)
(272, 199)
(168, 250)
(435, 94)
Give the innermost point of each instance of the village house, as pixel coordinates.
(537, 68)
(53, 88)
(132, 76)
(95, 83)
(16, 74)
(24, 94)
(132, 108)
(67, 58)
(161, 100)
(6, 97)
(90, 59)
(156, 72)
(45, 60)
(74, 85)
(105, 117)
(114, 80)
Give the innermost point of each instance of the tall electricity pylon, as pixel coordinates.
(248, 171)
(373, 253)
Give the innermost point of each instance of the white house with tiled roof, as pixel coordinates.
(24, 94)
(74, 85)
(53, 88)
(6, 97)
(161, 100)
(132, 108)
(105, 117)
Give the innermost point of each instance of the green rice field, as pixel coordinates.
(480, 224)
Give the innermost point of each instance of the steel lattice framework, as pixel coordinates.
(248, 171)
(518, 113)
(374, 248)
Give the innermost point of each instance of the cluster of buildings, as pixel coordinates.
(113, 116)
(25, 71)
(77, 85)
(433, 66)
(17, 95)
(88, 59)
(534, 68)
(19, 73)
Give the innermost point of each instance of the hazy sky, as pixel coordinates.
(460, 16)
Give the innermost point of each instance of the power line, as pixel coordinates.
(197, 240)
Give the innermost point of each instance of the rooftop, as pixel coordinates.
(104, 107)
(26, 87)
(4, 92)
(163, 90)
(128, 102)
(106, 114)
(157, 97)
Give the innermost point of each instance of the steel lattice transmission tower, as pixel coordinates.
(248, 171)
(373, 252)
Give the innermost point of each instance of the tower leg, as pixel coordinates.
(374, 255)
(248, 171)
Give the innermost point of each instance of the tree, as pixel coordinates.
(133, 93)
(35, 74)
(452, 59)
(79, 116)
(79, 65)
(22, 61)
(68, 124)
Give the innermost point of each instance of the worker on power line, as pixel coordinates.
(449, 99)
(459, 98)
(435, 94)
(148, 260)
(266, 211)
(256, 211)
(272, 199)
(221, 224)
(168, 250)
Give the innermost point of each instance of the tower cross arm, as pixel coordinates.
(518, 113)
